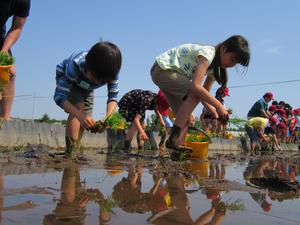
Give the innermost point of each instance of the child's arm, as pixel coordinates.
(277, 145)
(265, 113)
(160, 117)
(202, 91)
(110, 109)
(85, 120)
(14, 33)
(138, 125)
(260, 132)
(62, 91)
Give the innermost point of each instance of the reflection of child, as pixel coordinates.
(159, 199)
(132, 107)
(128, 193)
(260, 198)
(72, 204)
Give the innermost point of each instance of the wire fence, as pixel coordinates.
(35, 100)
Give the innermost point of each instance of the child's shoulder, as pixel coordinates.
(197, 46)
(78, 55)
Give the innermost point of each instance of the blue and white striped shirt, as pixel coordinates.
(73, 70)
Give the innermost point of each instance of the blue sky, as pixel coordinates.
(144, 29)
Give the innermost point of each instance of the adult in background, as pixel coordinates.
(260, 108)
(19, 11)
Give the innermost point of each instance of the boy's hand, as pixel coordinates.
(99, 127)
(85, 120)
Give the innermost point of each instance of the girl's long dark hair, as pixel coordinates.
(236, 44)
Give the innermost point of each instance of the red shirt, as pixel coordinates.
(162, 104)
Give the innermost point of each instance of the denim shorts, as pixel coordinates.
(168, 121)
(253, 134)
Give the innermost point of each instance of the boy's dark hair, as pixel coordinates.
(104, 60)
(275, 103)
(236, 44)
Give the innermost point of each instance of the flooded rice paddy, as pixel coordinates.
(130, 190)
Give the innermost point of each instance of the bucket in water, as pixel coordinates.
(200, 150)
(5, 74)
(198, 167)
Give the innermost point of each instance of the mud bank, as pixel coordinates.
(17, 133)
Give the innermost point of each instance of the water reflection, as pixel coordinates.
(276, 177)
(1, 196)
(71, 207)
(156, 192)
(167, 199)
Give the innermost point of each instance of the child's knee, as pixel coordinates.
(191, 97)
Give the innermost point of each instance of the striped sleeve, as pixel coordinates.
(112, 90)
(63, 85)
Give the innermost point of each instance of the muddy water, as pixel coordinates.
(149, 191)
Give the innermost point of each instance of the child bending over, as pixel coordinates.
(132, 107)
(76, 79)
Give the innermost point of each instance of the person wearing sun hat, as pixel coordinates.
(271, 131)
(281, 131)
(280, 115)
(208, 121)
(272, 109)
(297, 129)
(260, 108)
(255, 128)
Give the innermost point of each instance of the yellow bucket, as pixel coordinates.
(115, 170)
(200, 150)
(198, 167)
(5, 73)
(188, 144)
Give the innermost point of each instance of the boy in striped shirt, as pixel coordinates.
(76, 78)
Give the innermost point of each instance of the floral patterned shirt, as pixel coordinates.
(184, 58)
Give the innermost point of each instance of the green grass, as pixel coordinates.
(115, 121)
(6, 59)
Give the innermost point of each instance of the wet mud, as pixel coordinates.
(38, 184)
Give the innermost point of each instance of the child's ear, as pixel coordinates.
(223, 49)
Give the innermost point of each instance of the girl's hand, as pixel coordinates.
(223, 114)
(213, 112)
(143, 136)
(85, 120)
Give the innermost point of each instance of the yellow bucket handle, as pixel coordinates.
(201, 131)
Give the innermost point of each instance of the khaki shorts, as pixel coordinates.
(78, 95)
(174, 85)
